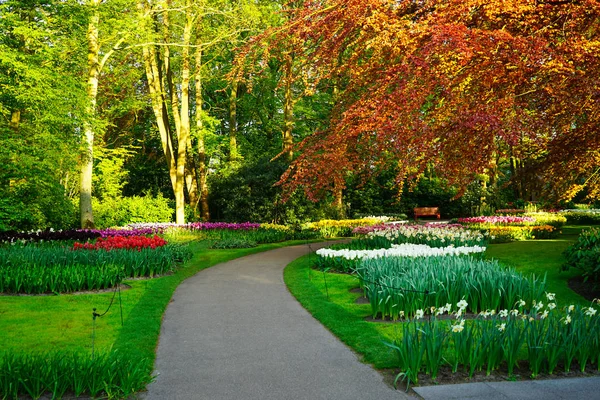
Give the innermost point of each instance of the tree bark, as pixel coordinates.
(288, 107)
(202, 169)
(233, 147)
(87, 156)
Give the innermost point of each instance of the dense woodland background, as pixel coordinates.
(123, 111)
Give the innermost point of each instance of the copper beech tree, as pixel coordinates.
(452, 85)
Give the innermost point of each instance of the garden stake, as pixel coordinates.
(325, 280)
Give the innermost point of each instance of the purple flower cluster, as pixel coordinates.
(203, 226)
(48, 235)
(496, 220)
(128, 232)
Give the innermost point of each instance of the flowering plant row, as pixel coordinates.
(400, 250)
(123, 243)
(496, 220)
(545, 335)
(341, 228)
(45, 269)
(435, 235)
(74, 234)
(502, 234)
(400, 283)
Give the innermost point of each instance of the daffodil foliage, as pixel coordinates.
(452, 85)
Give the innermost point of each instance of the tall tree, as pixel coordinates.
(40, 112)
(451, 84)
(97, 56)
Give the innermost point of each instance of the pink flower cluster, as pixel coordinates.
(202, 226)
(495, 220)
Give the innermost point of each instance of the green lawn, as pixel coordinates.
(543, 257)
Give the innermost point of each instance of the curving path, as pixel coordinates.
(233, 331)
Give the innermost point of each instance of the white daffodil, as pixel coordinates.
(567, 320)
(419, 314)
(538, 305)
(503, 313)
(551, 306)
(514, 313)
(462, 304)
(544, 314)
(590, 312)
(521, 303)
(458, 328)
(571, 308)
(550, 296)
(501, 327)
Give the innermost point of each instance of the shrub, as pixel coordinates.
(126, 210)
(585, 255)
(576, 217)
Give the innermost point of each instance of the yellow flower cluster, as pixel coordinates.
(507, 233)
(277, 227)
(545, 218)
(342, 223)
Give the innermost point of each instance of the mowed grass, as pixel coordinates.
(541, 257)
(330, 297)
(64, 322)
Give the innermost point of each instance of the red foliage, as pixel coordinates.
(121, 242)
(449, 84)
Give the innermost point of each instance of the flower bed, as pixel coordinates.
(546, 336)
(502, 234)
(496, 220)
(396, 284)
(434, 235)
(347, 260)
(329, 228)
(122, 242)
(34, 270)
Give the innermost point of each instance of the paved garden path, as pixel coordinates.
(234, 332)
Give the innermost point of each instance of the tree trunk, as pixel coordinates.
(183, 133)
(87, 157)
(233, 148)
(288, 107)
(202, 170)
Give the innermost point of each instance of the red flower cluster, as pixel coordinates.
(122, 242)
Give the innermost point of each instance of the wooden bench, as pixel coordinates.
(427, 212)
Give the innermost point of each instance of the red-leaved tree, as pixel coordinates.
(452, 85)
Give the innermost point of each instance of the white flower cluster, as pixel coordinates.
(441, 233)
(401, 250)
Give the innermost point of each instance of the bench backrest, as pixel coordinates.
(427, 210)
